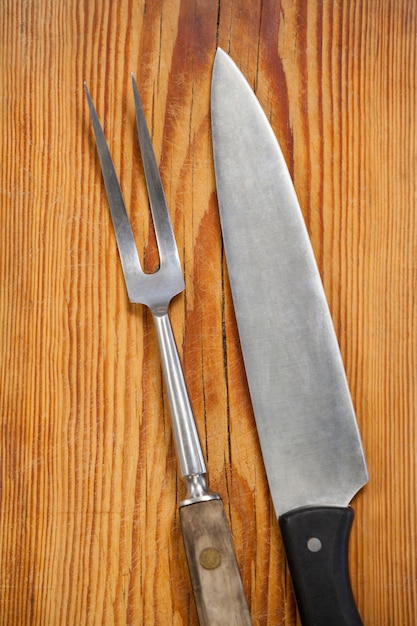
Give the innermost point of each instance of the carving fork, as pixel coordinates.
(217, 586)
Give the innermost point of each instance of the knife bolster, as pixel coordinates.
(316, 544)
(218, 590)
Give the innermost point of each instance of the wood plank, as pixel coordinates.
(89, 524)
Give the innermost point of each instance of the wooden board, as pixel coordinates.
(89, 523)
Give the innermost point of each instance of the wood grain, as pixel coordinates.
(89, 524)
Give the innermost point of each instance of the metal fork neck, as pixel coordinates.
(159, 310)
(198, 490)
(190, 455)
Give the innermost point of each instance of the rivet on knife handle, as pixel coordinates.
(215, 577)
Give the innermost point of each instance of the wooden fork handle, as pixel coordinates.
(217, 585)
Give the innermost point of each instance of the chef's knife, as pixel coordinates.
(305, 419)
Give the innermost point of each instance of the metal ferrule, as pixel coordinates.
(198, 490)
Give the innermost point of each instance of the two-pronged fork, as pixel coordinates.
(214, 573)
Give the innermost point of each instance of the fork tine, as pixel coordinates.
(157, 289)
(124, 236)
(162, 223)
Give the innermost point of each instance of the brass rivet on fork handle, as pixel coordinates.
(210, 558)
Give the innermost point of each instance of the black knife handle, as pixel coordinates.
(316, 544)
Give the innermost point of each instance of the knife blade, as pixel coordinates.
(307, 428)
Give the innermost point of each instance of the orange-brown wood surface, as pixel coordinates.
(89, 523)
